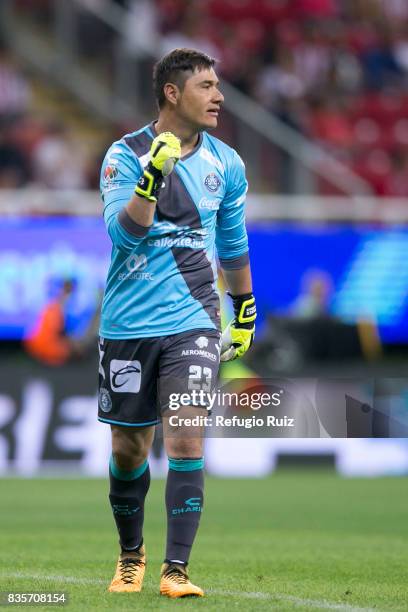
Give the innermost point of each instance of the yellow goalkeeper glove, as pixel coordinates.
(164, 154)
(239, 334)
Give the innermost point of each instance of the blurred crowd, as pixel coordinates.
(34, 151)
(334, 70)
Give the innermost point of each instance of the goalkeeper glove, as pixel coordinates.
(239, 334)
(164, 154)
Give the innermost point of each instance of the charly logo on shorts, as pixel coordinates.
(105, 400)
(125, 376)
(212, 182)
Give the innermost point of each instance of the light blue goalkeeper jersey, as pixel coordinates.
(162, 279)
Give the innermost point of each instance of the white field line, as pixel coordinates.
(53, 578)
(297, 601)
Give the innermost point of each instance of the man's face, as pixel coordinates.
(200, 99)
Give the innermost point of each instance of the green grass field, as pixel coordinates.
(294, 541)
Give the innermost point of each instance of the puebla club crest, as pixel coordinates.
(105, 401)
(212, 182)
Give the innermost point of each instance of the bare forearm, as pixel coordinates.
(141, 210)
(238, 282)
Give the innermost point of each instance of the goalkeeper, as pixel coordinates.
(173, 195)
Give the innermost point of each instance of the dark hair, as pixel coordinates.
(174, 68)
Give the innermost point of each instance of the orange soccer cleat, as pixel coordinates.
(174, 582)
(129, 573)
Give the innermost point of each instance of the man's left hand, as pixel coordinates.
(239, 333)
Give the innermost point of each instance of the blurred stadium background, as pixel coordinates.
(316, 104)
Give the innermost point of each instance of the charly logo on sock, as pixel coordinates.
(192, 504)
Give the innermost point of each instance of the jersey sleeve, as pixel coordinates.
(120, 171)
(231, 237)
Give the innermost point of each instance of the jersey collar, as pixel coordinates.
(192, 152)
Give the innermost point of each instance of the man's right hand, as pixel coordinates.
(165, 152)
